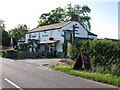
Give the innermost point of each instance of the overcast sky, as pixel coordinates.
(104, 13)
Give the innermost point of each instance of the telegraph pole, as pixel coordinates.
(73, 36)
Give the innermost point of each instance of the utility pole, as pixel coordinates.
(73, 36)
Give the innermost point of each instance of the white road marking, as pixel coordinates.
(11, 60)
(13, 84)
(28, 64)
(41, 68)
(45, 68)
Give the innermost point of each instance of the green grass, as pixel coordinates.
(105, 78)
(0, 54)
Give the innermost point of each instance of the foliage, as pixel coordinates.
(17, 32)
(64, 14)
(106, 78)
(114, 70)
(103, 54)
(5, 39)
(27, 54)
(64, 46)
(0, 54)
(10, 53)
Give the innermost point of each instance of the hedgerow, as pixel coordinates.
(104, 55)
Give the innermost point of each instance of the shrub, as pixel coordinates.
(27, 54)
(64, 46)
(102, 53)
(10, 53)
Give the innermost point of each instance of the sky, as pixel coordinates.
(104, 13)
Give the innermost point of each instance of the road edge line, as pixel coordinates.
(12, 83)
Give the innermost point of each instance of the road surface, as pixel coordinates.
(27, 74)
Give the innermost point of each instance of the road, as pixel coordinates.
(27, 74)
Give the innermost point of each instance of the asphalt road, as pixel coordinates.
(27, 74)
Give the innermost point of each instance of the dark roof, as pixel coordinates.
(89, 33)
(55, 26)
(50, 27)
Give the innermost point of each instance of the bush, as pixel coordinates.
(102, 53)
(10, 53)
(27, 54)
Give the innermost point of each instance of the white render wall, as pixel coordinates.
(44, 35)
(81, 32)
(57, 34)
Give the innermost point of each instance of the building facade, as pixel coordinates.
(51, 37)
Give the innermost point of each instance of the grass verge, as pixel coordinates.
(0, 54)
(105, 78)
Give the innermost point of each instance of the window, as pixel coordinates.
(44, 31)
(45, 35)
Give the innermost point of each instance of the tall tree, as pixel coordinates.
(18, 32)
(61, 15)
(5, 38)
(55, 16)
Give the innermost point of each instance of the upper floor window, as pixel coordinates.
(45, 35)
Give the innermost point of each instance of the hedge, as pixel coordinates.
(102, 53)
(11, 53)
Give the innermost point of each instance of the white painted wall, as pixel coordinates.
(26, 37)
(81, 32)
(57, 34)
(44, 35)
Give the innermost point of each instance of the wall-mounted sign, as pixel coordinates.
(82, 60)
(68, 36)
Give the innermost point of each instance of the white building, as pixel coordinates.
(52, 36)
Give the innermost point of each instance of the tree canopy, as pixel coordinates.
(61, 15)
(18, 31)
(5, 38)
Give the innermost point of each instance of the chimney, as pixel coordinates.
(74, 17)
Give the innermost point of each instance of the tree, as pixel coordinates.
(5, 38)
(61, 15)
(17, 32)
(55, 16)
